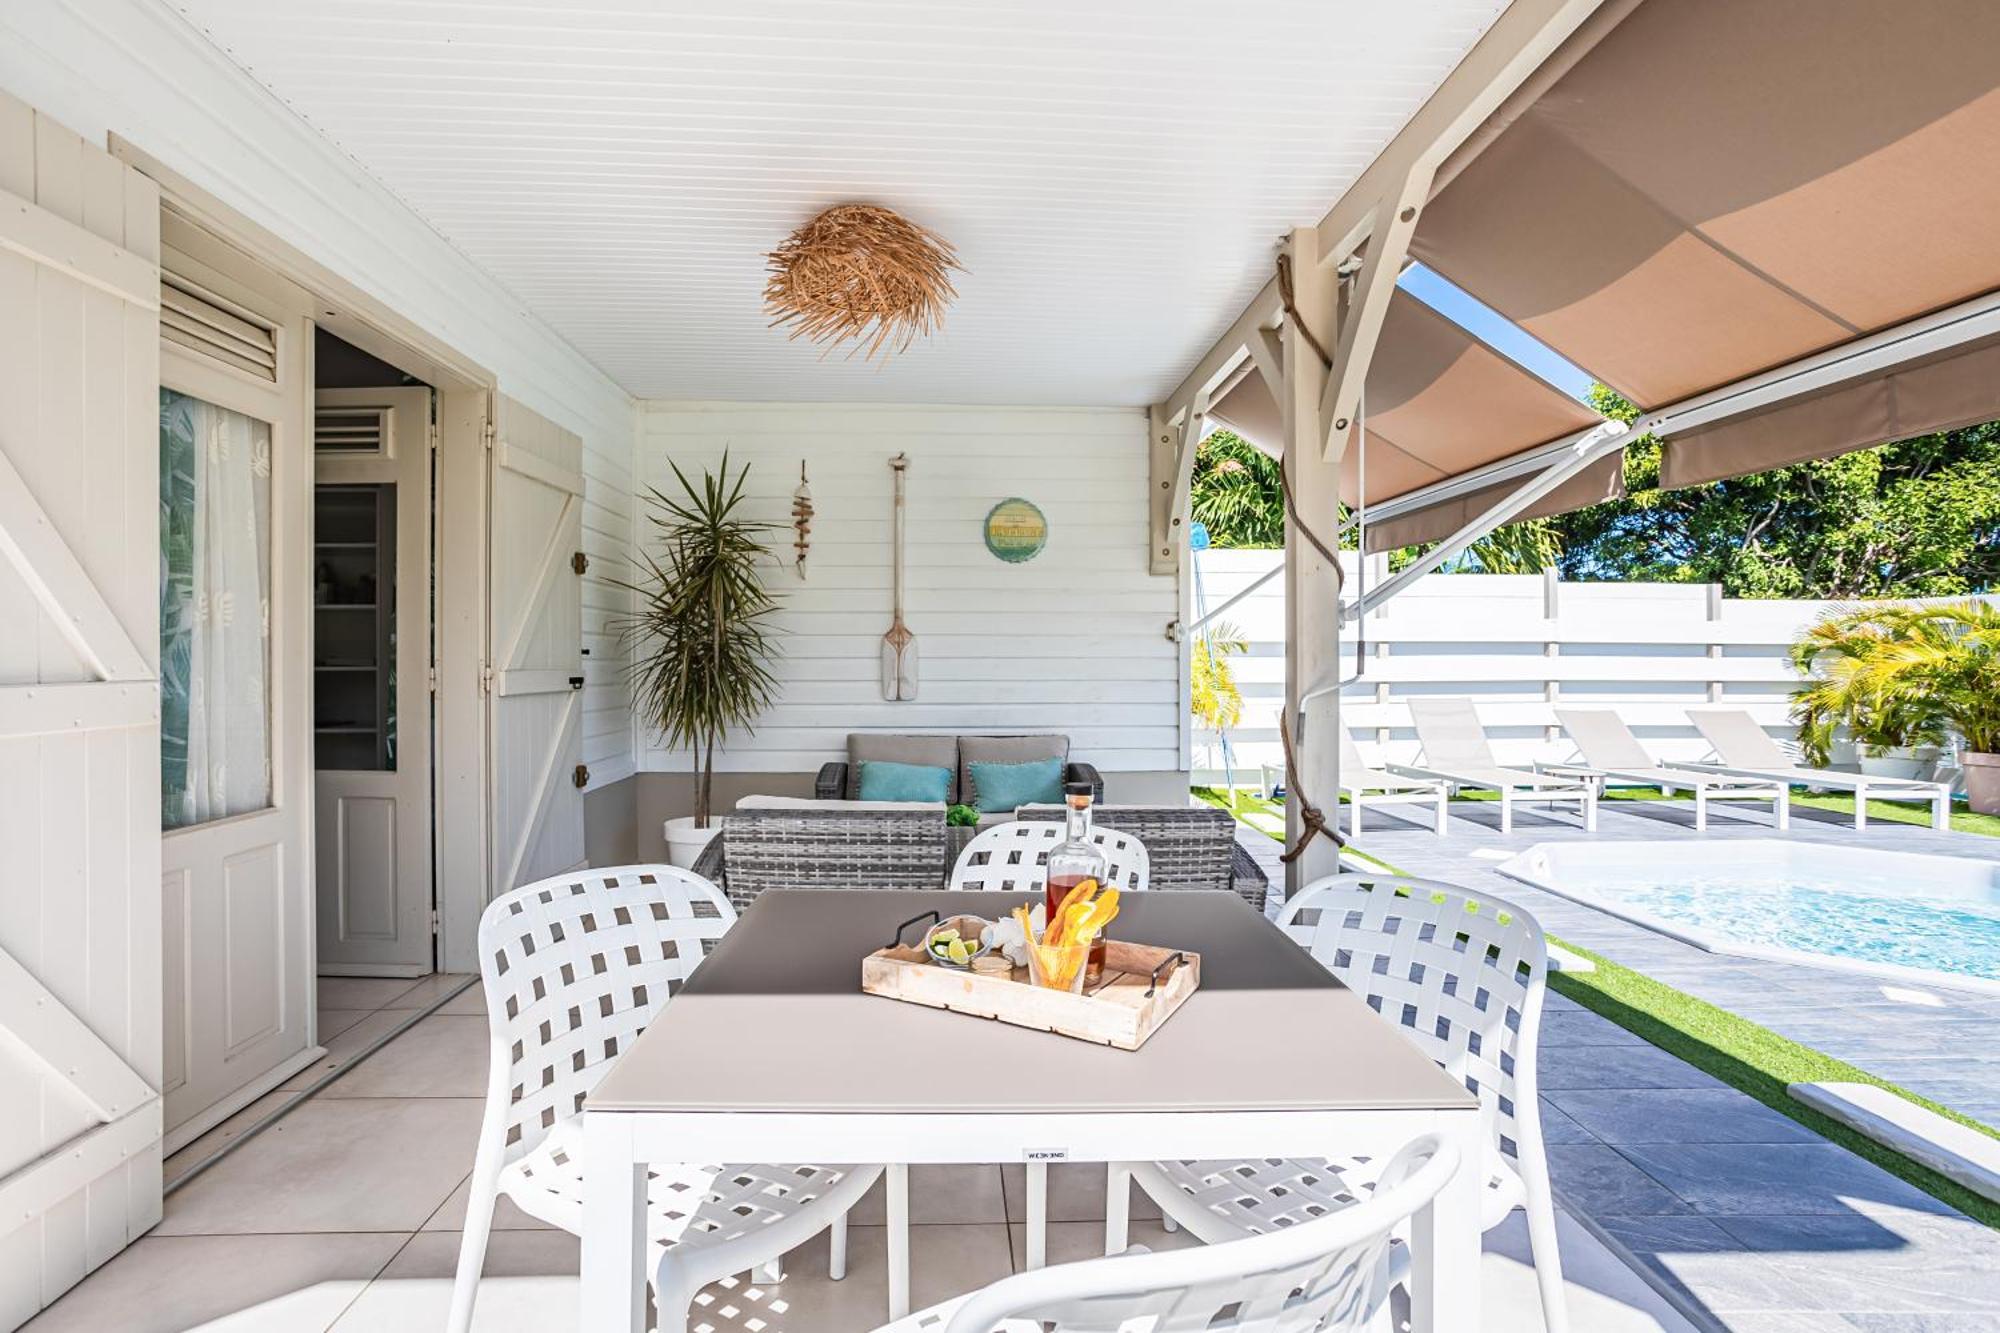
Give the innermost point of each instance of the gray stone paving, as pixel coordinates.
(1747, 1218)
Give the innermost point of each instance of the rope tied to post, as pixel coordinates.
(1312, 822)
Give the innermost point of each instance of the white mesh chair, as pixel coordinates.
(1011, 857)
(1331, 1275)
(1464, 977)
(574, 968)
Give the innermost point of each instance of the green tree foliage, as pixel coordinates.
(1236, 493)
(1918, 518)
(1901, 675)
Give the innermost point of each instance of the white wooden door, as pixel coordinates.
(371, 682)
(80, 1059)
(535, 686)
(236, 356)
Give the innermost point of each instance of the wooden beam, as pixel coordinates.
(29, 541)
(59, 1173)
(1526, 33)
(78, 1057)
(1160, 463)
(55, 243)
(91, 705)
(1312, 583)
(1393, 222)
(1193, 426)
(1263, 311)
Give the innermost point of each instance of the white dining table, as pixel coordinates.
(771, 1053)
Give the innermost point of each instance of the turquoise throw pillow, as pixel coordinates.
(1008, 786)
(885, 780)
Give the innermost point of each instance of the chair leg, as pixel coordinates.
(1783, 804)
(472, 1249)
(897, 1185)
(1548, 1260)
(1506, 811)
(1038, 1214)
(1443, 803)
(836, 1259)
(1354, 815)
(1117, 1208)
(1701, 809)
(1941, 812)
(1861, 808)
(1167, 1223)
(773, 1273)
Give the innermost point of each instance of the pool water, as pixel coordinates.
(1890, 909)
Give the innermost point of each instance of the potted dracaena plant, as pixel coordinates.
(702, 636)
(1907, 675)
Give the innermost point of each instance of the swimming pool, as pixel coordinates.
(1907, 915)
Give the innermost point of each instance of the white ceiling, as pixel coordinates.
(1113, 172)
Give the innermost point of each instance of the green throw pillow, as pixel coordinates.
(885, 780)
(1007, 786)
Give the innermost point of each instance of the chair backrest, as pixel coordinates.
(1451, 734)
(1187, 846)
(1463, 975)
(1603, 739)
(1351, 762)
(1013, 857)
(831, 848)
(1330, 1275)
(1737, 739)
(575, 966)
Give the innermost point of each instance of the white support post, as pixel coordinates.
(1312, 584)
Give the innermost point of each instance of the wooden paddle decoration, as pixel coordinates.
(899, 646)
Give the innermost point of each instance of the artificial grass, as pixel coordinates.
(1745, 1055)
(1759, 1062)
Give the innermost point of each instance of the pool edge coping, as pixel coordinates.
(1517, 868)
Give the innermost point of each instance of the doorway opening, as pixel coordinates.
(374, 668)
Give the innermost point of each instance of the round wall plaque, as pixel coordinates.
(1016, 530)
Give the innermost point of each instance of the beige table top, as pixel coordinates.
(775, 1021)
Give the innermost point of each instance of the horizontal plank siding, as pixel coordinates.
(1074, 640)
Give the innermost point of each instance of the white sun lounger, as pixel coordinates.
(1610, 750)
(1359, 783)
(1744, 749)
(1455, 753)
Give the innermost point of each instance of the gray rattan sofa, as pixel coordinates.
(1192, 847)
(841, 779)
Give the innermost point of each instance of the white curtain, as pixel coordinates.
(223, 612)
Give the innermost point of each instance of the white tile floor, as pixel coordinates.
(344, 1216)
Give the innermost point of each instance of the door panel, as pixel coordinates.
(536, 662)
(243, 852)
(374, 886)
(80, 926)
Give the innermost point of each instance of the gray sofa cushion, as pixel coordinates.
(899, 748)
(1004, 750)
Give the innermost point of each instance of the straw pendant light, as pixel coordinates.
(862, 273)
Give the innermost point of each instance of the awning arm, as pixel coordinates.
(1558, 463)
(1239, 595)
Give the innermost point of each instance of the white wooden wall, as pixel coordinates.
(137, 68)
(80, 953)
(1517, 646)
(1073, 640)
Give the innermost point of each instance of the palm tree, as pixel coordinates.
(702, 624)
(1897, 675)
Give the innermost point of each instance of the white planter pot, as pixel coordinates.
(685, 842)
(1895, 764)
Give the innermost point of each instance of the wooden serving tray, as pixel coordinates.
(1123, 1009)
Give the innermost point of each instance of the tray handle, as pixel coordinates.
(1171, 961)
(897, 938)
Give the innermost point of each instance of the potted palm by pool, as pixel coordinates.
(1897, 676)
(701, 665)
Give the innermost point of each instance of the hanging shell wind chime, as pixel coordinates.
(802, 520)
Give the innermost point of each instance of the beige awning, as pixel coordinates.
(1717, 187)
(1944, 392)
(1440, 403)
